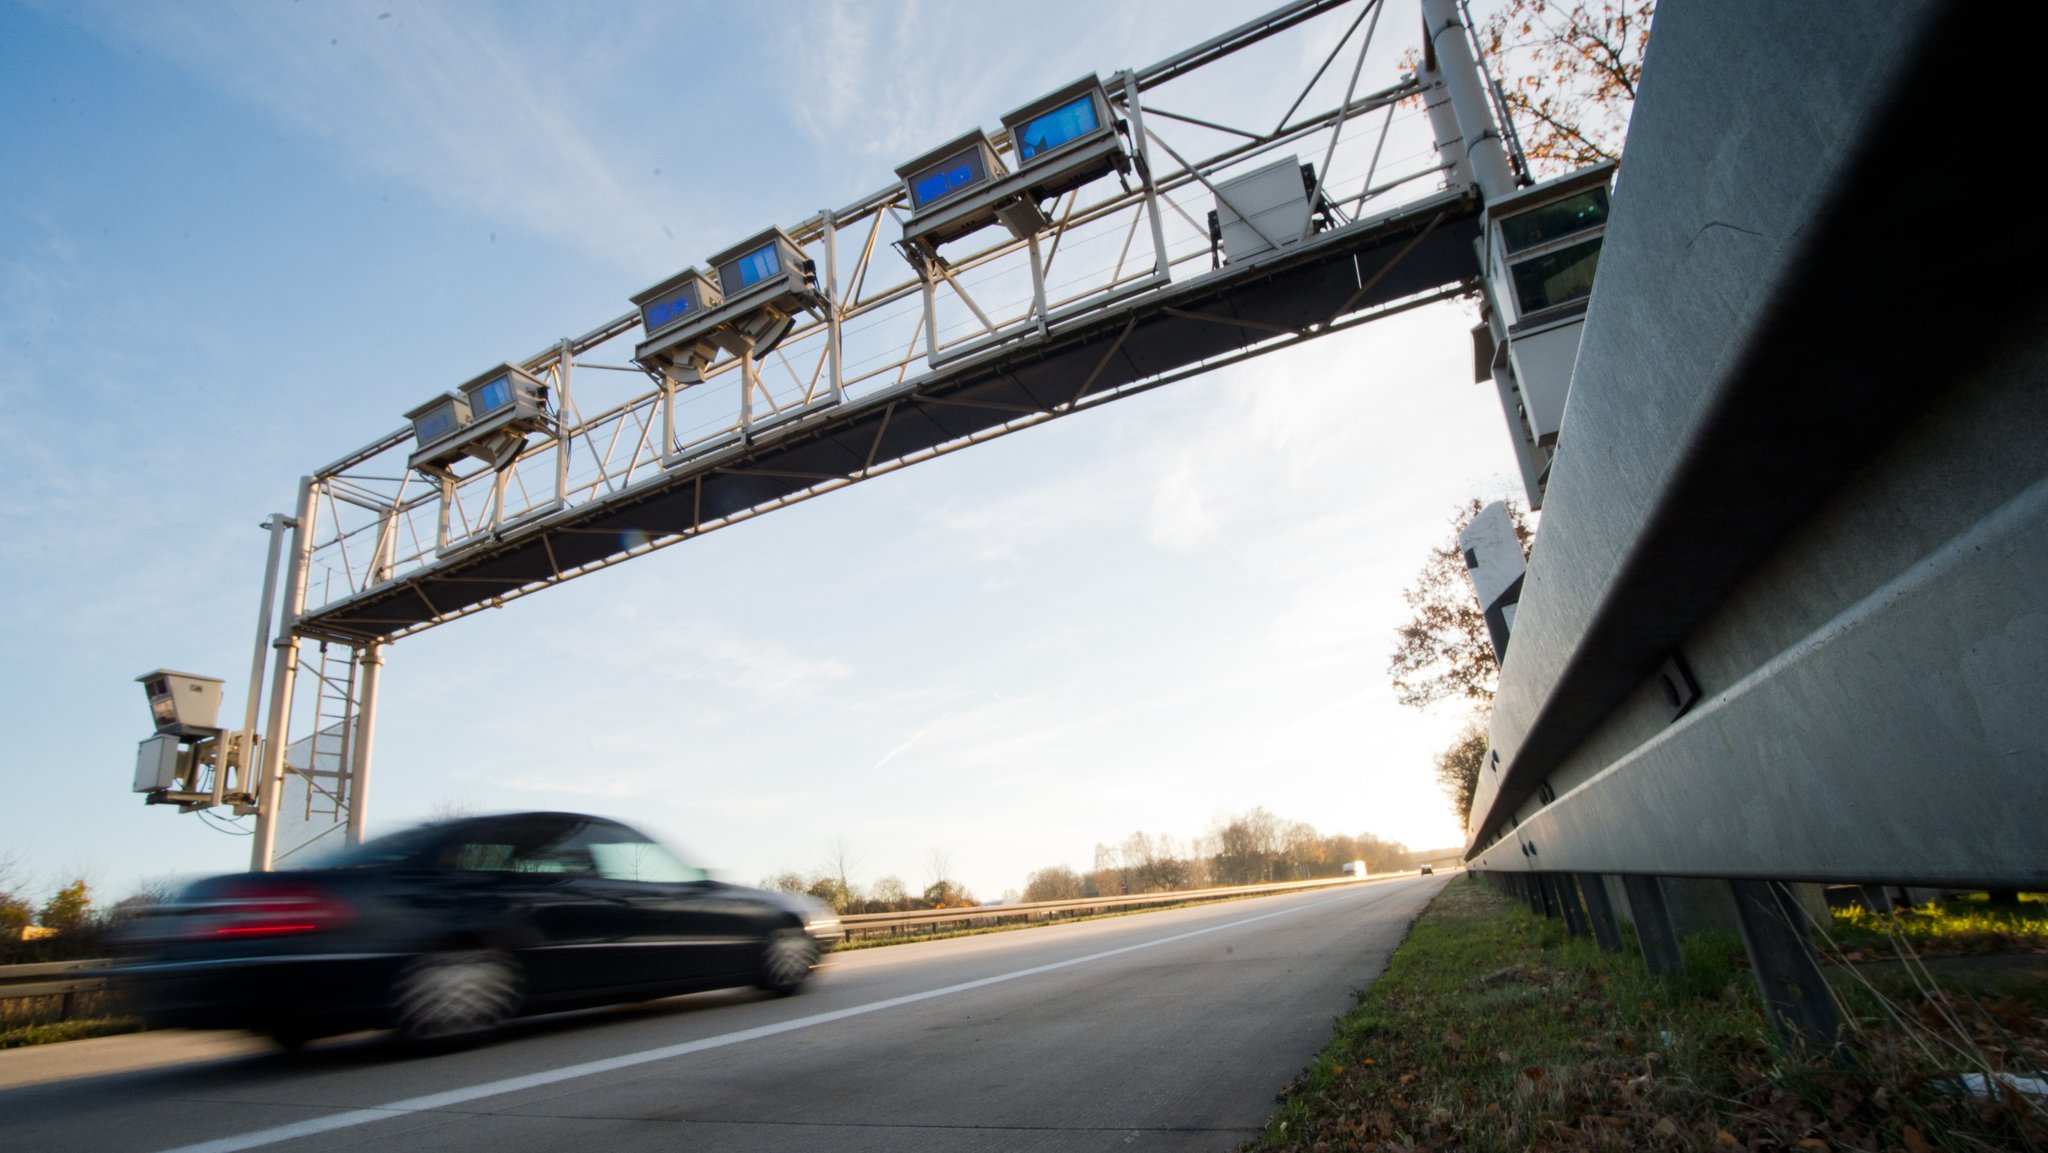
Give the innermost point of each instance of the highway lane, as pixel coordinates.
(1169, 1030)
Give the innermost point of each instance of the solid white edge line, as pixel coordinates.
(433, 1101)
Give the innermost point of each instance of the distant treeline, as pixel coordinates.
(1245, 850)
(1251, 849)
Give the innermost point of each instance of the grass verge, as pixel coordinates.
(76, 1030)
(1493, 1030)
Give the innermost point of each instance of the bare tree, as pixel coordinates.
(1443, 652)
(1457, 768)
(69, 909)
(15, 911)
(1569, 72)
(889, 893)
(833, 883)
(1055, 883)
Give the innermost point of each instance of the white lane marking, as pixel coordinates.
(432, 1101)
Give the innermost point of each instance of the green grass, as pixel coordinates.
(1966, 924)
(1493, 1030)
(74, 1030)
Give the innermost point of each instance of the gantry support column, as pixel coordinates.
(283, 678)
(370, 658)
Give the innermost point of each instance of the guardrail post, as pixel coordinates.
(1653, 925)
(1531, 895)
(1780, 946)
(1568, 902)
(1600, 911)
(1546, 892)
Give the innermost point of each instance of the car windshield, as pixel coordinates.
(523, 844)
(555, 845)
(391, 849)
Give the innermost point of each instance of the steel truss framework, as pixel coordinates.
(910, 359)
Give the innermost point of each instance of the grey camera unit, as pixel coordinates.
(487, 418)
(1059, 142)
(183, 704)
(748, 303)
(185, 708)
(677, 301)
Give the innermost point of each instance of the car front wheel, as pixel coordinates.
(787, 958)
(455, 997)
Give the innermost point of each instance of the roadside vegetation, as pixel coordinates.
(77, 1029)
(1248, 849)
(1494, 1030)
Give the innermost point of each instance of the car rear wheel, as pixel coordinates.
(787, 958)
(454, 997)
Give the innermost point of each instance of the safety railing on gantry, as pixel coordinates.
(889, 296)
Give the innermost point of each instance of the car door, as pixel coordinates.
(573, 930)
(687, 929)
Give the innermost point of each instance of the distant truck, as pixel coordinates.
(1355, 869)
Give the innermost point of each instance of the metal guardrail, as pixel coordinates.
(65, 979)
(858, 926)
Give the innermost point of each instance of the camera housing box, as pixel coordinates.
(183, 705)
(1058, 142)
(676, 301)
(761, 285)
(487, 418)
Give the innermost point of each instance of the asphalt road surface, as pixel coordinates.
(1160, 1031)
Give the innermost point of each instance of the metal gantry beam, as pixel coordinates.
(1110, 288)
(1119, 294)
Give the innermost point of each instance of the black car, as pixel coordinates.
(444, 931)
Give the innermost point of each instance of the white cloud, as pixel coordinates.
(434, 97)
(1180, 521)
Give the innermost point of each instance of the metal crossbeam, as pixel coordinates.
(903, 368)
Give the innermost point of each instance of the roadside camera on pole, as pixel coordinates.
(487, 419)
(751, 300)
(183, 704)
(185, 708)
(1058, 142)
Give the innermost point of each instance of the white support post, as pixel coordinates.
(1444, 25)
(749, 378)
(1160, 262)
(277, 732)
(447, 510)
(1443, 124)
(668, 414)
(832, 306)
(1038, 306)
(370, 658)
(245, 740)
(495, 515)
(562, 409)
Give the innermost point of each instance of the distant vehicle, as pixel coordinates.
(1426, 870)
(444, 931)
(1355, 868)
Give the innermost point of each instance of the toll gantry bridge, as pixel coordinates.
(1120, 233)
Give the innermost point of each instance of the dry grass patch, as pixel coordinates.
(1492, 1030)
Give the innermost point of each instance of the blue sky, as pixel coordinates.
(239, 240)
